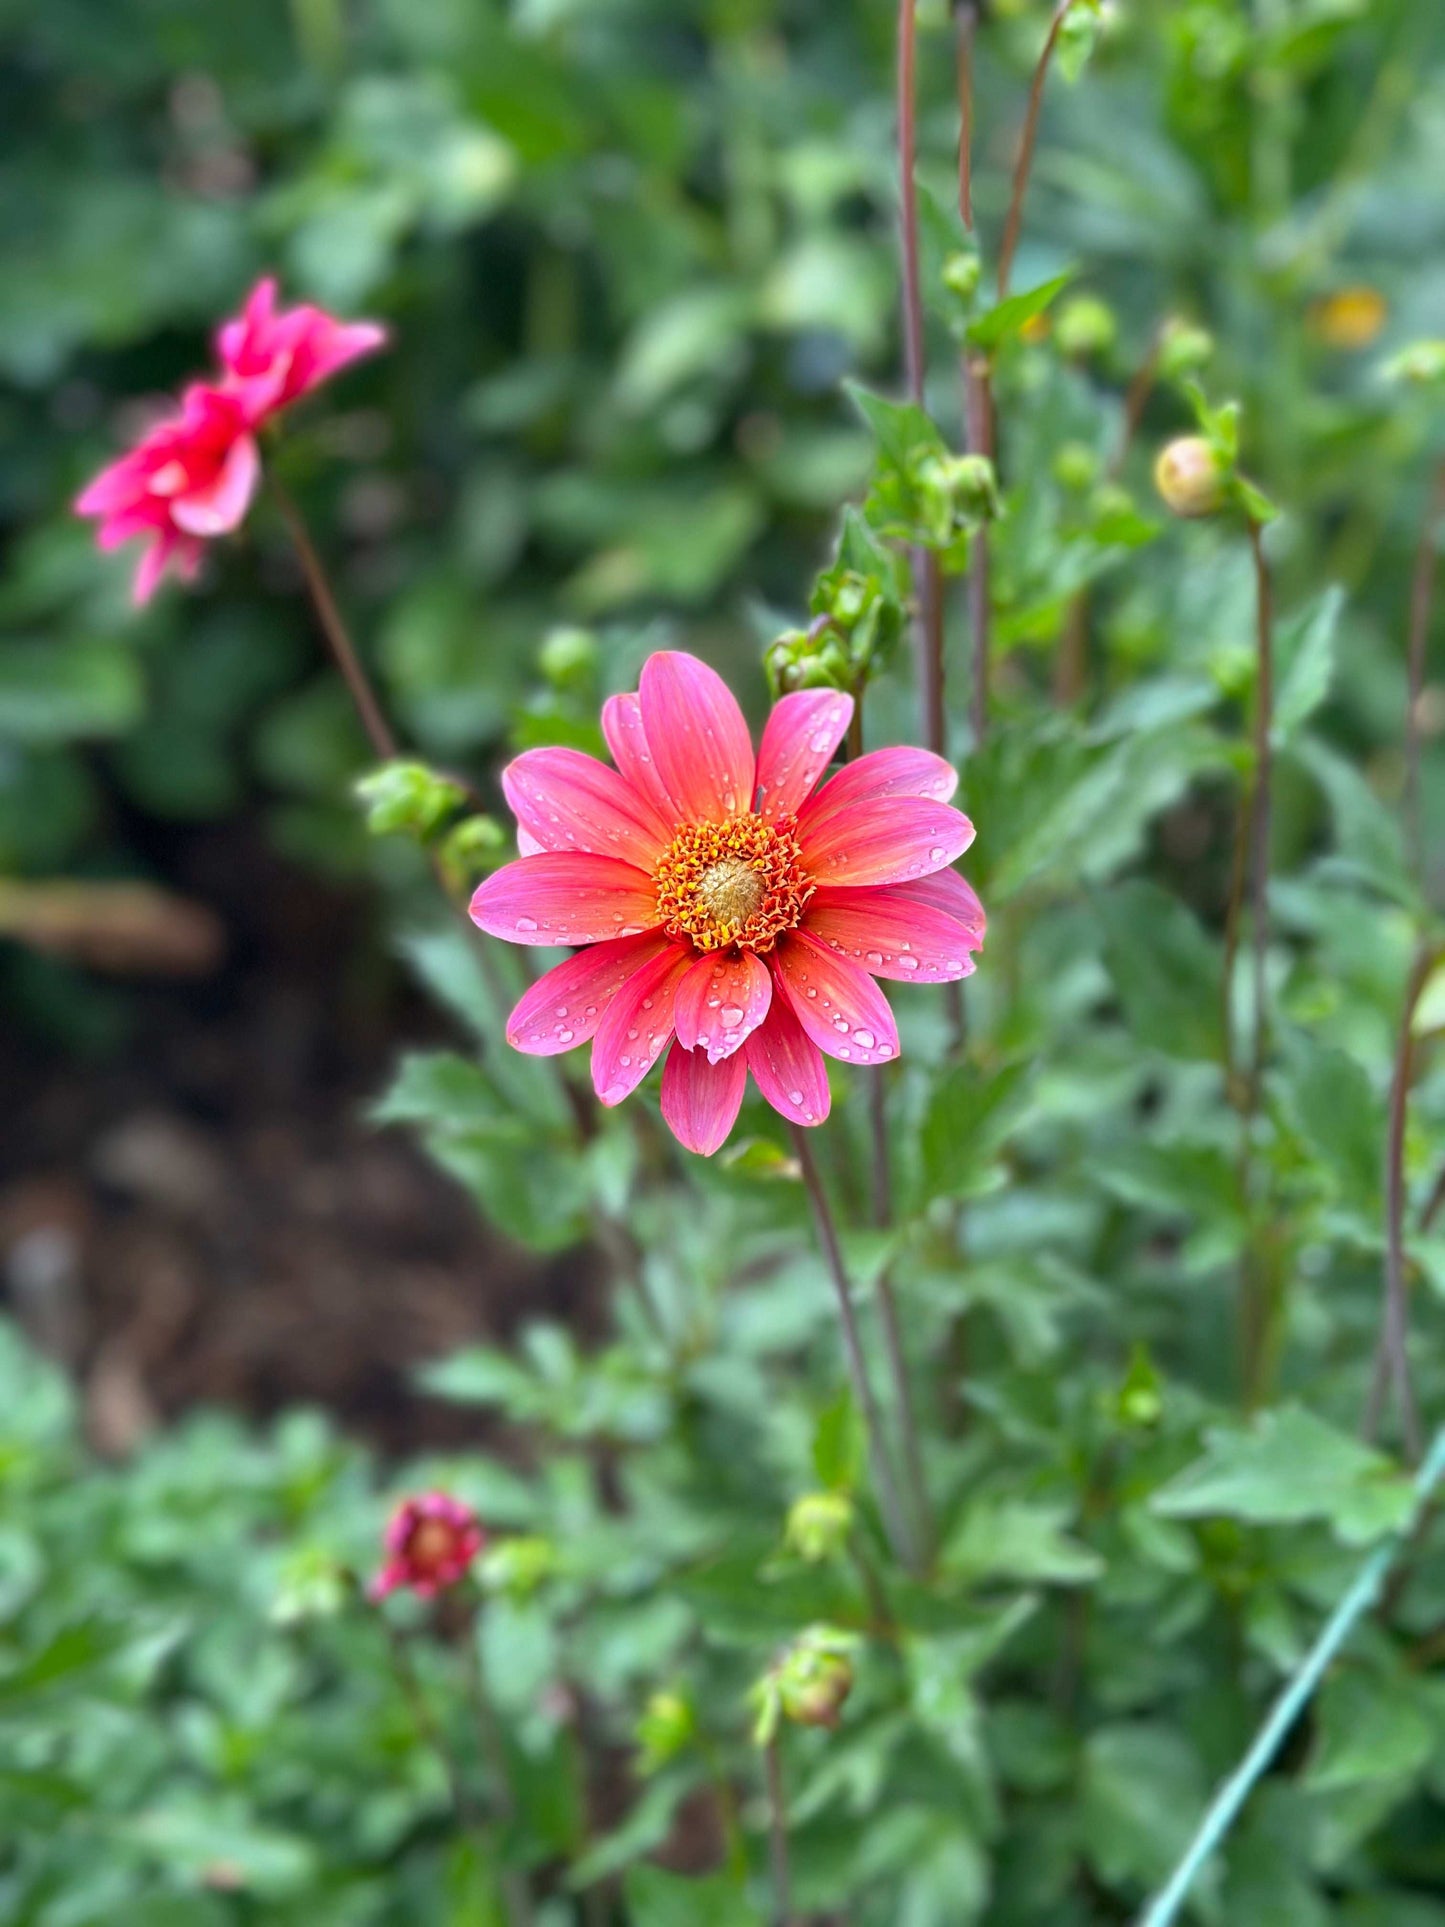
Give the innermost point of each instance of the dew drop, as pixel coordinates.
(732, 1016)
(937, 856)
(526, 923)
(565, 1036)
(909, 963)
(865, 1038)
(795, 1097)
(875, 957)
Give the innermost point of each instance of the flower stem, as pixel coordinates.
(977, 396)
(1422, 593)
(1392, 1359)
(895, 1519)
(428, 1726)
(333, 626)
(1261, 812)
(1024, 161)
(778, 1834)
(516, 1893)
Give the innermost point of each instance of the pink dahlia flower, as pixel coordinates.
(732, 907)
(272, 357)
(190, 478)
(430, 1543)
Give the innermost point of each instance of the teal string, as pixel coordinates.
(1231, 1797)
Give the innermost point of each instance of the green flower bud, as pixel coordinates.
(815, 1676)
(568, 656)
(1076, 466)
(819, 1524)
(961, 273)
(1109, 501)
(1183, 349)
(408, 799)
(517, 1567)
(313, 1585)
(974, 487)
(1190, 477)
(667, 1727)
(475, 847)
(1085, 326)
(1422, 363)
(1140, 1402)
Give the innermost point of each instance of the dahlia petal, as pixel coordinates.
(892, 933)
(637, 1027)
(838, 1005)
(564, 1008)
(720, 1002)
(893, 840)
(701, 1098)
(231, 337)
(568, 801)
(697, 736)
(788, 1067)
(801, 735)
(627, 740)
(901, 771)
(222, 504)
(565, 896)
(947, 891)
(151, 567)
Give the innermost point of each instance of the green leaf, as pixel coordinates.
(656, 1898)
(1166, 970)
(1007, 318)
(838, 1444)
(1019, 1539)
(1289, 1468)
(1306, 649)
(1141, 1794)
(65, 692)
(1369, 1728)
(970, 1113)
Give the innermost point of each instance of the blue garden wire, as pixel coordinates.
(1230, 1799)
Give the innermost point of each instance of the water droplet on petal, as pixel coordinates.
(732, 1016)
(865, 1038)
(526, 923)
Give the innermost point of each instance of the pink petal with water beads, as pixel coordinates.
(565, 800)
(947, 891)
(638, 1025)
(721, 1001)
(789, 1069)
(891, 933)
(900, 771)
(565, 1007)
(697, 737)
(838, 1005)
(700, 1098)
(798, 743)
(565, 897)
(627, 740)
(895, 841)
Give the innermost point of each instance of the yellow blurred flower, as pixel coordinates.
(1350, 317)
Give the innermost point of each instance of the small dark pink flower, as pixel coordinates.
(271, 357)
(430, 1543)
(734, 907)
(190, 478)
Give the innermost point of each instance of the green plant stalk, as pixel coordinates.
(778, 1834)
(895, 1517)
(1422, 595)
(1229, 1802)
(427, 1724)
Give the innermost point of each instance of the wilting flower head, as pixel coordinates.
(430, 1543)
(272, 357)
(731, 906)
(189, 478)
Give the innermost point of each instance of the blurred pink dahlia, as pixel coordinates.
(272, 356)
(731, 905)
(430, 1543)
(191, 477)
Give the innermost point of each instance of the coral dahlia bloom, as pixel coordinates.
(430, 1543)
(731, 906)
(272, 357)
(189, 478)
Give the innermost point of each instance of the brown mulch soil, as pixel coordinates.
(206, 1214)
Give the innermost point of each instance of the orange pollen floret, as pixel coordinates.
(739, 883)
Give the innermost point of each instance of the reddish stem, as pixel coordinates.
(1023, 165)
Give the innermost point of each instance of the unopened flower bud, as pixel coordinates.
(974, 487)
(1190, 477)
(667, 1728)
(1085, 327)
(819, 1524)
(568, 656)
(961, 272)
(1423, 363)
(313, 1585)
(475, 846)
(1183, 349)
(408, 799)
(517, 1567)
(815, 1677)
(807, 659)
(1140, 1401)
(1075, 466)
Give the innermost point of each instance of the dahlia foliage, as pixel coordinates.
(731, 905)
(192, 476)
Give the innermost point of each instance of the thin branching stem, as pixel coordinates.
(1392, 1356)
(428, 1726)
(1024, 161)
(895, 1517)
(1422, 597)
(778, 1834)
(1262, 804)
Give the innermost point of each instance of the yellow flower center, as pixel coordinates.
(739, 883)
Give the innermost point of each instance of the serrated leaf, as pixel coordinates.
(1008, 317)
(1306, 649)
(1166, 970)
